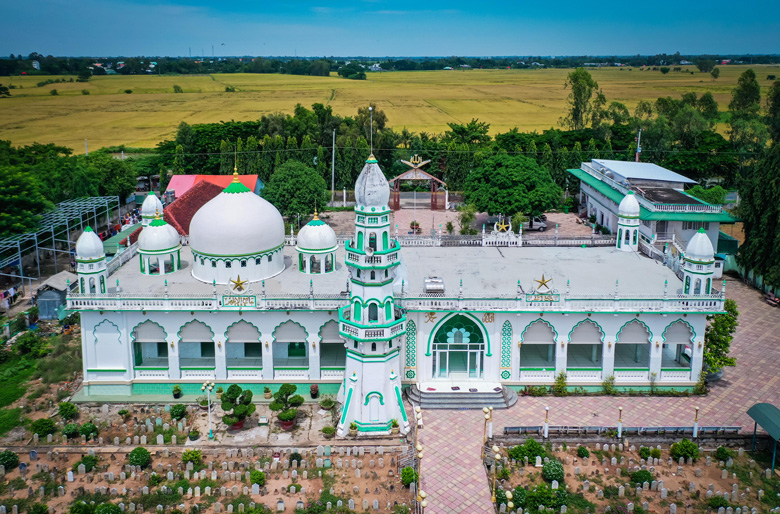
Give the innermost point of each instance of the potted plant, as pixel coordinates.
(286, 403)
(238, 404)
(267, 393)
(394, 428)
(177, 391)
(415, 227)
(314, 391)
(203, 403)
(327, 403)
(328, 432)
(193, 435)
(353, 429)
(219, 392)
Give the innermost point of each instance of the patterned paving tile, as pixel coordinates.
(456, 482)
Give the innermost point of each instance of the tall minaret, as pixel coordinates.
(372, 324)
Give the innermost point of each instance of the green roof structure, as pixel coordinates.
(645, 214)
(768, 417)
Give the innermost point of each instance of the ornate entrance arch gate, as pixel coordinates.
(458, 348)
(438, 200)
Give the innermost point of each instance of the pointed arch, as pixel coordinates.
(476, 320)
(148, 323)
(543, 321)
(329, 332)
(629, 329)
(191, 328)
(242, 332)
(674, 328)
(375, 393)
(592, 325)
(108, 345)
(288, 331)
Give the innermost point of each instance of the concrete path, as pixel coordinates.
(455, 480)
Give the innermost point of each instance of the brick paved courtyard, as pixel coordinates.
(455, 481)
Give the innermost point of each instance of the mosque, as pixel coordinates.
(366, 318)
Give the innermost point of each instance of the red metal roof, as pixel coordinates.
(180, 212)
(183, 183)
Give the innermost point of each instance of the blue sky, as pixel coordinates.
(379, 27)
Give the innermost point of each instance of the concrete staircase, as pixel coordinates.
(461, 400)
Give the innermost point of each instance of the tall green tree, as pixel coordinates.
(22, 201)
(759, 210)
(718, 336)
(773, 111)
(508, 184)
(748, 133)
(295, 188)
(582, 86)
(474, 132)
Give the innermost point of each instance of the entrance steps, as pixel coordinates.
(443, 397)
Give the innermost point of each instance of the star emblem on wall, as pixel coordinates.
(238, 284)
(543, 282)
(502, 226)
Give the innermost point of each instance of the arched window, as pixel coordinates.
(270, 257)
(372, 241)
(620, 237)
(360, 241)
(635, 235)
(102, 284)
(385, 242)
(373, 312)
(390, 345)
(687, 285)
(358, 273)
(697, 286)
(373, 275)
(373, 347)
(628, 236)
(386, 274)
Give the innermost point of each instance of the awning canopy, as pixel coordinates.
(768, 417)
(416, 174)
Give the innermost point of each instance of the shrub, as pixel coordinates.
(408, 475)
(108, 508)
(608, 385)
(655, 453)
(559, 389)
(124, 413)
(71, 430)
(553, 470)
(43, 426)
(155, 479)
(9, 460)
(723, 453)
(32, 344)
(177, 89)
(54, 92)
(89, 461)
(329, 430)
(68, 410)
(38, 508)
(128, 91)
(504, 474)
(194, 456)
(257, 477)
(716, 502)
(88, 429)
(583, 452)
(530, 449)
(297, 457)
(641, 476)
(644, 452)
(178, 411)
(85, 91)
(239, 402)
(684, 448)
(288, 415)
(327, 403)
(541, 494)
(140, 457)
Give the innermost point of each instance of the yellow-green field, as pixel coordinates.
(420, 101)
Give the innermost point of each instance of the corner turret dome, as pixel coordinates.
(89, 246)
(700, 248)
(371, 188)
(316, 235)
(237, 232)
(158, 236)
(149, 209)
(629, 207)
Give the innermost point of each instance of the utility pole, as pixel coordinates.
(86, 146)
(638, 145)
(333, 170)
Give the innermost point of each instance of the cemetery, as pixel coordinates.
(620, 478)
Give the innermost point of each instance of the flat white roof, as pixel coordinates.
(486, 272)
(642, 170)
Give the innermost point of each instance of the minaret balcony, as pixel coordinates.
(371, 331)
(373, 259)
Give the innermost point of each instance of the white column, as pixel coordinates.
(656, 353)
(174, 369)
(315, 350)
(560, 356)
(697, 357)
(220, 358)
(268, 357)
(608, 359)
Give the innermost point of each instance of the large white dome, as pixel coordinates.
(236, 222)
(151, 207)
(316, 236)
(371, 187)
(700, 248)
(629, 207)
(89, 246)
(158, 236)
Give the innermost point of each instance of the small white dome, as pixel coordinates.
(157, 236)
(316, 236)
(700, 248)
(89, 246)
(371, 187)
(236, 222)
(151, 207)
(629, 207)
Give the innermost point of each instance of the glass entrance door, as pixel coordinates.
(458, 361)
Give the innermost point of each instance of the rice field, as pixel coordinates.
(419, 101)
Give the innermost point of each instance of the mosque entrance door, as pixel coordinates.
(458, 349)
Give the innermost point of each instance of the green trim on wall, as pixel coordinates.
(346, 406)
(149, 368)
(132, 332)
(601, 330)
(178, 334)
(241, 367)
(522, 334)
(617, 337)
(400, 403)
(198, 368)
(235, 256)
(372, 393)
(485, 332)
(273, 334)
(680, 320)
(259, 334)
(107, 370)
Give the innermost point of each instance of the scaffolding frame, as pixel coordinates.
(55, 227)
